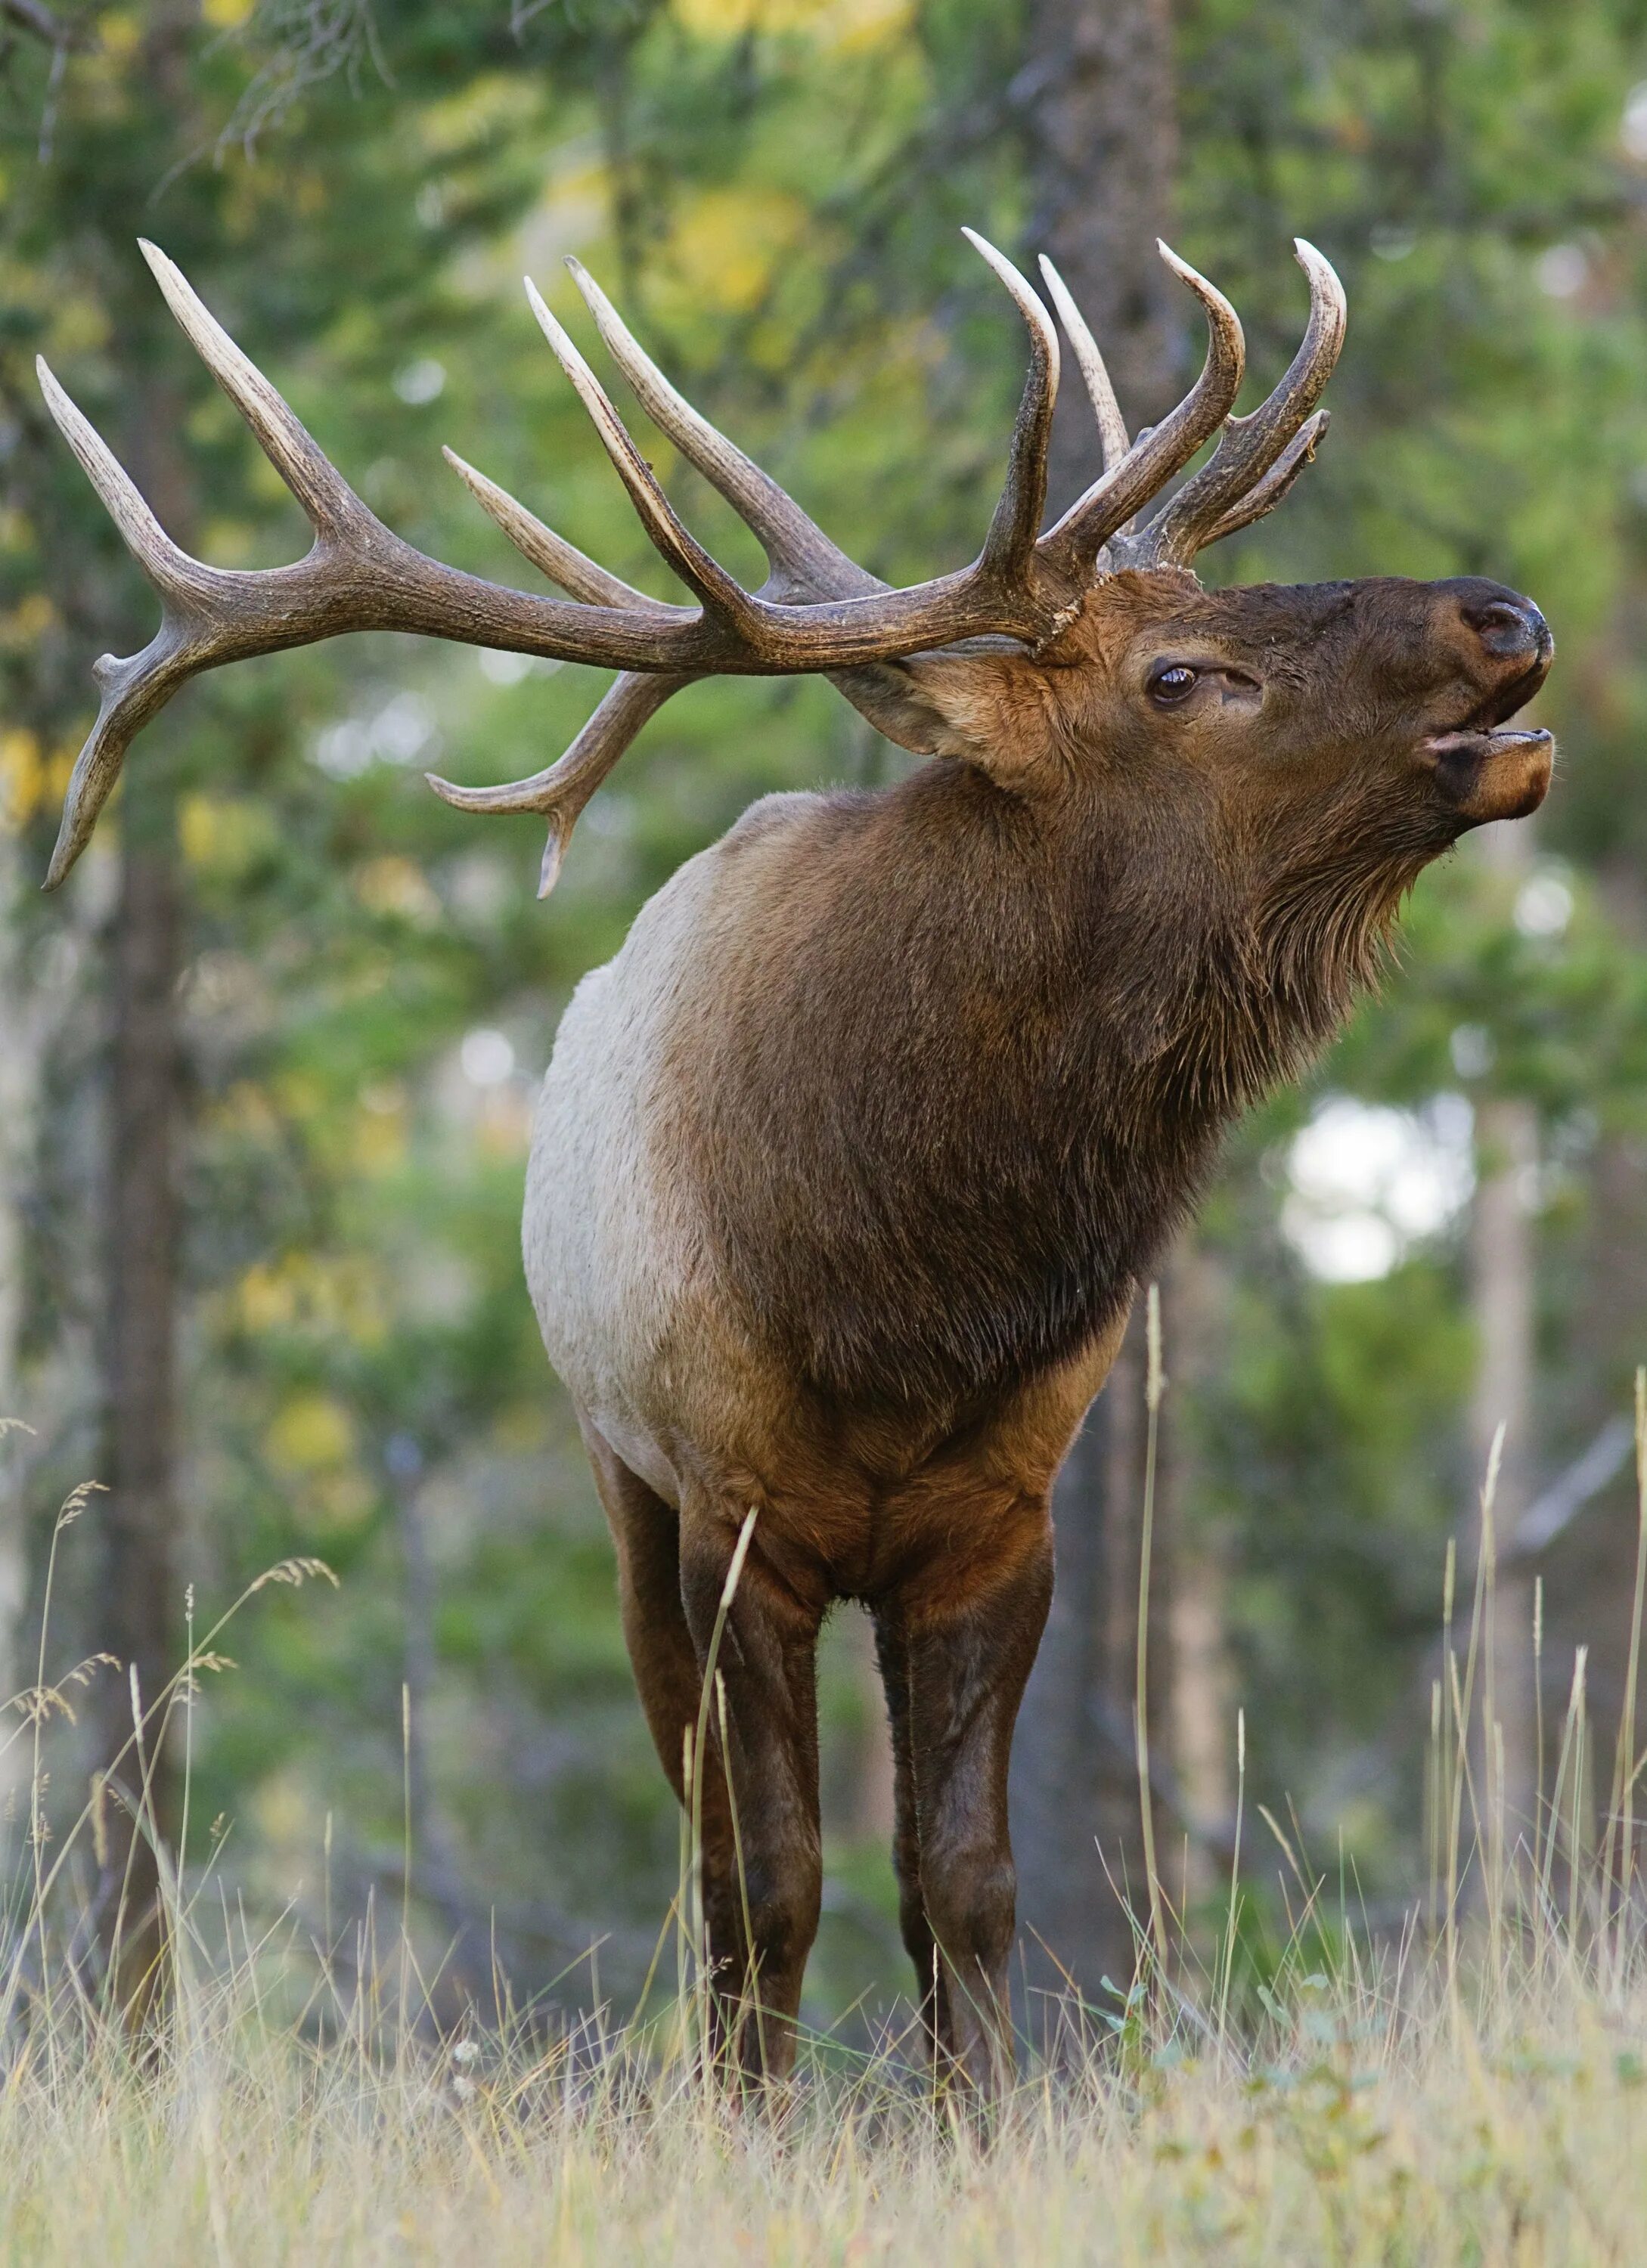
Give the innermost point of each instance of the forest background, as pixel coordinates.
(267, 1063)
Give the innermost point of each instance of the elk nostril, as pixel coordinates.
(1508, 628)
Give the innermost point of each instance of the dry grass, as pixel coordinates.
(1351, 2138)
(1473, 2090)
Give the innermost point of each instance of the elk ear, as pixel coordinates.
(991, 708)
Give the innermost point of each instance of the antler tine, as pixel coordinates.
(801, 557)
(131, 690)
(560, 792)
(1263, 498)
(551, 555)
(1073, 546)
(166, 565)
(327, 498)
(804, 563)
(1251, 444)
(1009, 546)
(1094, 377)
(357, 576)
(720, 592)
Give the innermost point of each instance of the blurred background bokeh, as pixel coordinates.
(267, 1062)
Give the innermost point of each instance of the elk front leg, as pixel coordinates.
(768, 1658)
(955, 1666)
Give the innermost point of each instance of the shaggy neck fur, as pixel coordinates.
(986, 1055)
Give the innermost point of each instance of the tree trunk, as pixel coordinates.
(1066, 1794)
(141, 1614)
(1590, 1575)
(1097, 91)
(1501, 1271)
(1097, 96)
(20, 1069)
(140, 1609)
(1198, 1705)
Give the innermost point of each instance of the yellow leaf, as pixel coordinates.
(311, 1433)
(222, 835)
(843, 25)
(119, 32)
(267, 1297)
(379, 1136)
(394, 886)
(30, 619)
(22, 778)
(726, 243)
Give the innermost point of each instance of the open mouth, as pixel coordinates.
(1484, 726)
(1488, 769)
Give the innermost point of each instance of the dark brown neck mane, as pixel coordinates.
(981, 1067)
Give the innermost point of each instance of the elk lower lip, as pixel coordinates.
(1492, 775)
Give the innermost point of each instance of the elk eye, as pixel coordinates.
(1170, 685)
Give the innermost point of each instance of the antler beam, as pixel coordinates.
(818, 610)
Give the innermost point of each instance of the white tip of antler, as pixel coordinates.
(522, 796)
(591, 393)
(1095, 377)
(554, 857)
(550, 554)
(318, 486)
(1325, 290)
(559, 338)
(1226, 324)
(679, 547)
(144, 538)
(1026, 299)
(235, 371)
(1181, 269)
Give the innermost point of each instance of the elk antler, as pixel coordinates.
(804, 563)
(816, 611)
(1258, 456)
(1112, 426)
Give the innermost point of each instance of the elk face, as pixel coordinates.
(1325, 725)
(1387, 698)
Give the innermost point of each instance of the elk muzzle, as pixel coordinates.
(1484, 768)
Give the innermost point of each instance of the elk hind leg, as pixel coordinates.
(767, 1661)
(646, 1532)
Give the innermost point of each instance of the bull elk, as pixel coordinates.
(847, 1167)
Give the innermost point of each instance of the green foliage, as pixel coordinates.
(775, 192)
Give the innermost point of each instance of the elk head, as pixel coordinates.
(1083, 651)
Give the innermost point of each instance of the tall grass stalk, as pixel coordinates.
(697, 1760)
(1621, 1809)
(1154, 1387)
(1233, 1911)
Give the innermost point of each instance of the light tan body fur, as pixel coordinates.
(640, 1328)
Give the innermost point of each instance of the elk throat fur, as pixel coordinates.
(944, 1075)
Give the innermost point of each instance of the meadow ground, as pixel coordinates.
(1358, 2130)
(1466, 2086)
